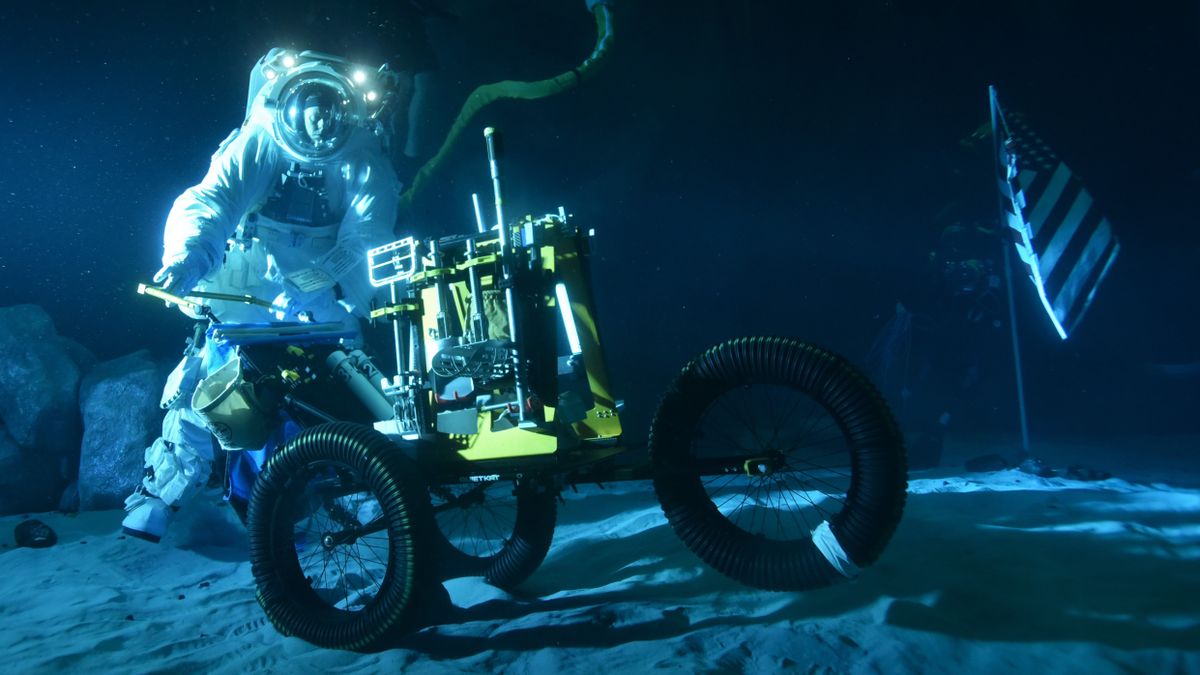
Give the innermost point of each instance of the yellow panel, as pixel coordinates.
(601, 422)
(461, 294)
(478, 260)
(508, 443)
(560, 255)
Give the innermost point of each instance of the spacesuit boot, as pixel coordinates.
(147, 517)
(177, 466)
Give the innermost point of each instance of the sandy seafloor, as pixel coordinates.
(989, 572)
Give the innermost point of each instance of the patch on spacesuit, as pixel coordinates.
(338, 261)
(311, 279)
(328, 270)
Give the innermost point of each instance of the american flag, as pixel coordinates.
(1065, 244)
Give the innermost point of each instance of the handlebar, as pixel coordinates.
(170, 298)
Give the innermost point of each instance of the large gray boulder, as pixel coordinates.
(39, 382)
(119, 402)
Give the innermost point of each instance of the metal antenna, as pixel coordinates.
(489, 135)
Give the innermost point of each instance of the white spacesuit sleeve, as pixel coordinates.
(205, 215)
(369, 222)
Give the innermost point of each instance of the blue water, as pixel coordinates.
(748, 170)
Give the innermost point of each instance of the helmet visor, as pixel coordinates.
(313, 118)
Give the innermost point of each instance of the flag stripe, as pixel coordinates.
(1062, 234)
(1044, 203)
(1076, 295)
(1065, 244)
(1073, 253)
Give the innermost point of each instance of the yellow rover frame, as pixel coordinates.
(556, 255)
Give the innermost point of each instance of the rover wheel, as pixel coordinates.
(778, 463)
(337, 541)
(499, 530)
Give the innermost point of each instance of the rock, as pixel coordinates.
(10, 453)
(39, 382)
(26, 485)
(992, 462)
(39, 379)
(34, 534)
(119, 402)
(1085, 472)
(1037, 467)
(69, 501)
(82, 356)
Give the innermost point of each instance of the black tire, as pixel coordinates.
(339, 537)
(499, 530)
(710, 447)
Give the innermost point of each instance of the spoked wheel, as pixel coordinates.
(337, 541)
(499, 530)
(778, 464)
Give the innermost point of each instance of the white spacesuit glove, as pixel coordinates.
(286, 308)
(316, 307)
(181, 276)
(294, 304)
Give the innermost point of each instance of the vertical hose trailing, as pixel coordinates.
(486, 94)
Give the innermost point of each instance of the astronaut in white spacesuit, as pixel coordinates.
(290, 204)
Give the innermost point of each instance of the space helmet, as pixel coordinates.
(316, 105)
(314, 120)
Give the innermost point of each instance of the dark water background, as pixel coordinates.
(749, 167)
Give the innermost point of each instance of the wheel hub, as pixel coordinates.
(330, 540)
(764, 465)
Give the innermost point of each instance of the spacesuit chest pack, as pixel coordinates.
(301, 198)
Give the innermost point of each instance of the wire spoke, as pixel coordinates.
(480, 529)
(806, 455)
(746, 421)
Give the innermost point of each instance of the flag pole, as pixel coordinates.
(997, 122)
(1016, 348)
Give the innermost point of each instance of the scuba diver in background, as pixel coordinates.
(291, 203)
(930, 362)
(966, 260)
